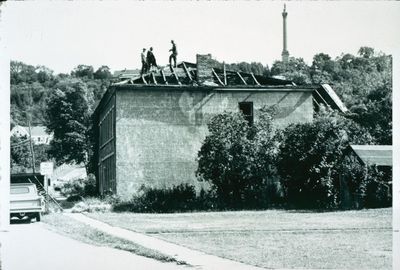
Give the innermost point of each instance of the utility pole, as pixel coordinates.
(31, 147)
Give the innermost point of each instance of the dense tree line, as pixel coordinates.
(363, 82)
(63, 103)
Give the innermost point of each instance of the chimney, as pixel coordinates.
(204, 68)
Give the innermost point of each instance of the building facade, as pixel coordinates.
(151, 128)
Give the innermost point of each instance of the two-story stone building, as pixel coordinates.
(150, 128)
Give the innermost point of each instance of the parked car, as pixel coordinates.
(25, 202)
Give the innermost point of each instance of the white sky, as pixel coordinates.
(61, 35)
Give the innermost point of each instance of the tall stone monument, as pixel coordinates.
(285, 53)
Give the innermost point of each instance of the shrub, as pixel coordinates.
(180, 198)
(238, 160)
(378, 187)
(77, 189)
(310, 159)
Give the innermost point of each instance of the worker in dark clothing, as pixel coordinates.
(151, 59)
(173, 55)
(144, 62)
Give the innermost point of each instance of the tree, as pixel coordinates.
(376, 114)
(20, 72)
(238, 160)
(103, 73)
(20, 154)
(44, 74)
(366, 52)
(310, 158)
(83, 71)
(323, 69)
(295, 70)
(68, 117)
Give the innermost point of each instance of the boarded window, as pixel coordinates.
(246, 108)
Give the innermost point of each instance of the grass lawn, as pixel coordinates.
(275, 238)
(84, 233)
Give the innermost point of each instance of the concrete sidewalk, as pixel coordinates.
(198, 259)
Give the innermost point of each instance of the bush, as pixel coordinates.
(311, 156)
(180, 198)
(378, 187)
(76, 190)
(238, 160)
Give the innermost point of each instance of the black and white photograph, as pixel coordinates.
(200, 135)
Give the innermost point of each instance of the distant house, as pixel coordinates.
(38, 133)
(150, 128)
(67, 173)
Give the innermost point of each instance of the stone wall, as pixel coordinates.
(159, 131)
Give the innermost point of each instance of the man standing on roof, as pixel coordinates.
(151, 59)
(173, 55)
(144, 62)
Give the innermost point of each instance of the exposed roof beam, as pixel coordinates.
(187, 71)
(176, 76)
(144, 80)
(154, 78)
(316, 102)
(319, 95)
(254, 78)
(163, 76)
(225, 80)
(216, 75)
(241, 78)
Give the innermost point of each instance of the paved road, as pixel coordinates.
(32, 246)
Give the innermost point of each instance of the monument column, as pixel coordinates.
(285, 53)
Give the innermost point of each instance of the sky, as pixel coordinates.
(62, 35)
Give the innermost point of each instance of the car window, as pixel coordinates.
(19, 190)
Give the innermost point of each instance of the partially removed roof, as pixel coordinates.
(186, 74)
(204, 73)
(380, 155)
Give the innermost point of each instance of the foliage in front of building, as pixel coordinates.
(311, 156)
(368, 185)
(179, 198)
(78, 189)
(251, 166)
(238, 160)
(378, 188)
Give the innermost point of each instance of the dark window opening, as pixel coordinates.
(246, 108)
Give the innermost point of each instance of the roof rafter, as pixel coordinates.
(254, 78)
(163, 76)
(187, 71)
(176, 76)
(225, 80)
(319, 95)
(216, 75)
(241, 78)
(144, 80)
(154, 78)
